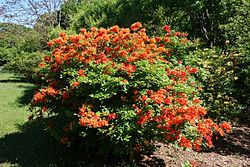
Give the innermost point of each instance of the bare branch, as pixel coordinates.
(28, 12)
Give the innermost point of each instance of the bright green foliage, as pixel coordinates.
(19, 49)
(23, 63)
(20, 37)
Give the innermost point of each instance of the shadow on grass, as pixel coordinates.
(27, 94)
(33, 147)
(12, 79)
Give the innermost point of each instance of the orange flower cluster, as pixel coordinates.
(144, 118)
(116, 45)
(178, 75)
(191, 70)
(136, 26)
(184, 142)
(41, 96)
(172, 117)
(91, 119)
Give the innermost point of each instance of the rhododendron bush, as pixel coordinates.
(118, 90)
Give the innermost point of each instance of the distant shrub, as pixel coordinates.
(23, 63)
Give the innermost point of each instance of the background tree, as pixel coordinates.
(42, 14)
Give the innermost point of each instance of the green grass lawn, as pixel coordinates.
(22, 143)
(13, 108)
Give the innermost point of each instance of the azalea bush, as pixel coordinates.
(117, 90)
(219, 77)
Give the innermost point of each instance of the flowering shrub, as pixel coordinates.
(219, 80)
(118, 90)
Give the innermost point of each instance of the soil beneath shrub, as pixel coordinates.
(231, 151)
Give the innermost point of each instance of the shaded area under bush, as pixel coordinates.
(34, 147)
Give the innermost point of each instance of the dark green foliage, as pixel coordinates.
(202, 19)
(105, 13)
(67, 10)
(238, 35)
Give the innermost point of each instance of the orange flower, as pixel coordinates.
(50, 91)
(197, 144)
(136, 26)
(144, 118)
(196, 100)
(81, 73)
(184, 142)
(193, 70)
(226, 126)
(65, 95)
(83, 31)
(158, 39)
(50, 44)
(94, 29)
(42, 65)
(114, 29)
(182, 101)
(177, 33)
(39, 97)
(112, 116)
(128, 67)
(144, 98)
(159, 96)
(123, 53)
(124, 81)
(166, 39)
(75, 84)
(62, 34)
(91, 119)
(167, 28)
(201, 110)
(47, 59)
(108, 49)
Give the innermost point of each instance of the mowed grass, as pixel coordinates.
(24, 143)
(13, 109)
